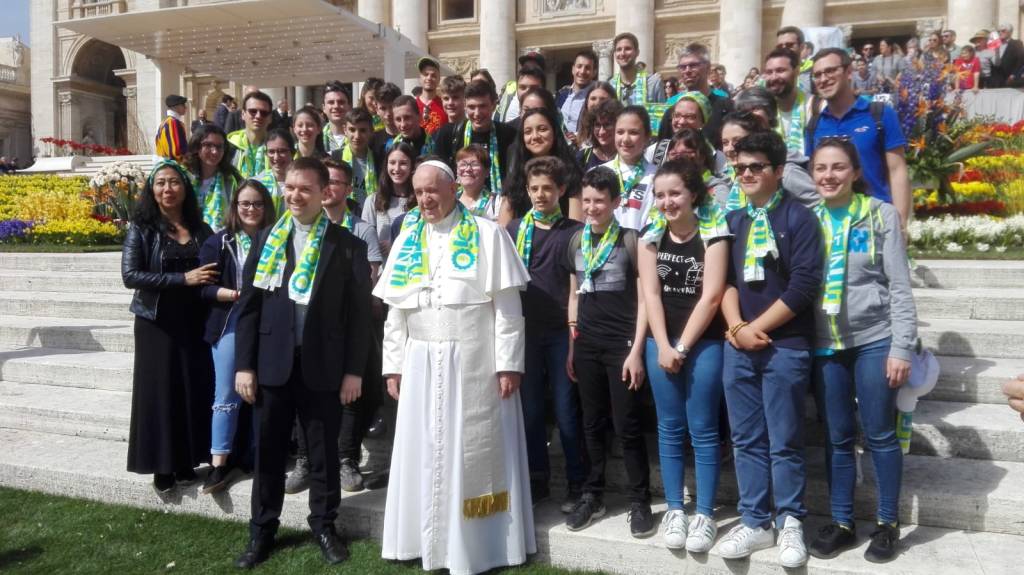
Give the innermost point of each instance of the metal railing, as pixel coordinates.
(8, 74)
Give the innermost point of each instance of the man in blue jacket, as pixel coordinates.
(775, 272)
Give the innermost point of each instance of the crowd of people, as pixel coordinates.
(495, 257)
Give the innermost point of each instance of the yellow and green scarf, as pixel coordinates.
(760, 240)
(412, 264)
(274, 257)
(492, 151)
(369, 175)
(595, 257)
(524, 238)
(837, 250)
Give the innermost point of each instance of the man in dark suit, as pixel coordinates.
(1006, 68)
(281, 117)
(301, 348)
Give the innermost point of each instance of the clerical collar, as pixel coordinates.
(447, 223)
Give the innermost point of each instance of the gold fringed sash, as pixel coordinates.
(485, 505)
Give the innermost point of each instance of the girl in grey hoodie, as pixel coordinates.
(866, 327)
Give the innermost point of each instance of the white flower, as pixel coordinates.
(1000, 249)
(954, 247)
(982, 247)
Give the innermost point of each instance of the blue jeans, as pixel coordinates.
(226, 401)
(854, 380)
(764, 393)
(688, 401)
(545, 365)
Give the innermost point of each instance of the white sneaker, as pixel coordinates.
(673, 526)
(792, 551)
(701, 534)
(741, 541)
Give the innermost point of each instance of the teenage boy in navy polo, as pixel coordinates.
(775, 272)
(542, 238)
(857, 118)
(606, 356)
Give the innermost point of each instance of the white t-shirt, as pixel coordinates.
(637, 203)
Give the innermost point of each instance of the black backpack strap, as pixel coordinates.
(877, 111)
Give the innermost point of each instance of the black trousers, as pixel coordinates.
(603, 397)
(357, 416)
(319, 413)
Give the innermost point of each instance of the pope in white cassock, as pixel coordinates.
(459, 491)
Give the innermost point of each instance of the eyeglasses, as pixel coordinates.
(469, 166)
(341, 183)
(830, 71)
(211, 146)
(689, 66)
(254, 112)
(250, 205)
(756, 168)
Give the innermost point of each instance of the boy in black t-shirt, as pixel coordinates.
(542, 238)
(606, 356)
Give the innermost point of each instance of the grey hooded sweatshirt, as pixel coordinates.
(877, 298)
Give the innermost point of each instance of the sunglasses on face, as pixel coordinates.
(756, 168)
(254, 112)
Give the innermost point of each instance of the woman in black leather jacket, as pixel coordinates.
(251, 209)
(172, 381)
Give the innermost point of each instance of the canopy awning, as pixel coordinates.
(261, 42)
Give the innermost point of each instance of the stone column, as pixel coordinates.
(1008, 13)
(739, 37)
(803, 13)
(375, 11)
(637, 16)
(968, 16)
(43, 37)
(605, 62)
(302, 95)
(498, 39)
(410, 18)
(69, 125)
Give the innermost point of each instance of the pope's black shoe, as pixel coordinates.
(257, 552)
(332, 547)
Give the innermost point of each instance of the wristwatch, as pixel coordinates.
(681, 348)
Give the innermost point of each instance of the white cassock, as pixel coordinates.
(449, 339)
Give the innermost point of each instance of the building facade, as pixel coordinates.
(84, 88)
(15, 110)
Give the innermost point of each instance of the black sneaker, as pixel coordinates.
(572, 497)
(832, 540)
(641, 520)
(351, 479)
(883, 543)
(186, 477)
(298, 479)
(216, 480)
(539, 491)
(587, 509)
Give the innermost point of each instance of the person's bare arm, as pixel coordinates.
(668, 358)
(899, 183)
(716, 260)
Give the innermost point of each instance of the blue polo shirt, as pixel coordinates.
(859, 125)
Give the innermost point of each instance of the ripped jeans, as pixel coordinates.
(226, 401)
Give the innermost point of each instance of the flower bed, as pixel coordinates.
(41, 209)
(980, 232)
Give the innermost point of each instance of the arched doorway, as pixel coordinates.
(102, 112)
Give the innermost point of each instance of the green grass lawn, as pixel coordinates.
(47, 534)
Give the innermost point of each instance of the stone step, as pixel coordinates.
(86, 262)
(96, 413)
(972, 337)
(67, 305)
(104, 415)
(968, 274)
(107, 370)
(974, 379)
(962, 430)
(953, 493)
(94, 469)
(75, 282)
(970, 303)
(67, 333)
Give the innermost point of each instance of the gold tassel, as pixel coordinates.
(485, 505)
